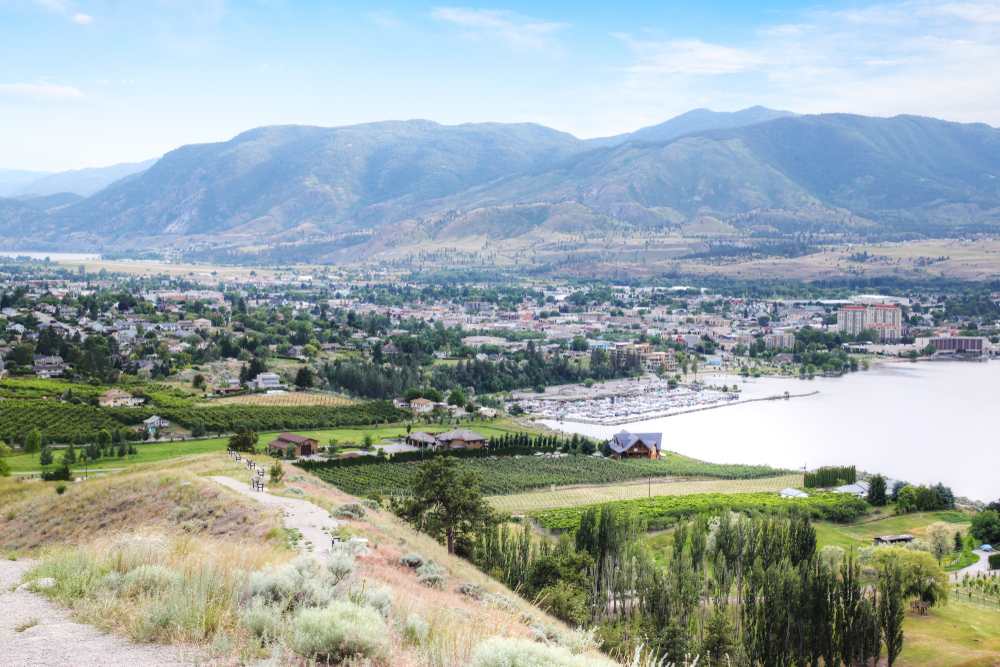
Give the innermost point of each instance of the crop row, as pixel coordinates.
(661, 511)
(62, 421)
(515, 475)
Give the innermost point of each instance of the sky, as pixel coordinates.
(93, 83)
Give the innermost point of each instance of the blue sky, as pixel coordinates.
(93, 83)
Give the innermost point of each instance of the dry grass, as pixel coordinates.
(197, 602)
(286, 400)
(579, 496)
(171, 499)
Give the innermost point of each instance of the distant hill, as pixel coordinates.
(380, 184)
(83, 182)
(50, 202)
(12, 180)
(694, 121)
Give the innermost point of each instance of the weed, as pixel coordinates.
(341, 629)
(412, 559)
(24, 625)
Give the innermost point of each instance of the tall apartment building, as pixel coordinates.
(886, 319)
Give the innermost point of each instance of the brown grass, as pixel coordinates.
(287, 400)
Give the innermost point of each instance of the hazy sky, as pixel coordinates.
(93, 83)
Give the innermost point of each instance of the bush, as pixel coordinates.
(412, 559)
(61, 474)
(340, 630)
(341, 564)
(416, 629)
(61, 489)
(351, 511)
(149, 579)
(474, 591)
(503, 652)
(371, 504)
(430, 567)
(277, 586)
(432, 581)
(295, 491)
(994, 561)
(382, 600)
(263, 620)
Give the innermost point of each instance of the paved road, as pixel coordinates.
(314, 522)
(982, 566)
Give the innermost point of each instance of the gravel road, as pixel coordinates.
(312, 521)
(57, 641)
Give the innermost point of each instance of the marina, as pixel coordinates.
(649, 400)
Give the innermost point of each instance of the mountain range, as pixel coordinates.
(82, 182)
(773, 172)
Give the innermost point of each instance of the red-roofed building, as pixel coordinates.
(290, 444)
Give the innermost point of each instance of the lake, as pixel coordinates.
(925, 423)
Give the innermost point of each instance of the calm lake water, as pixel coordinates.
(923, 423)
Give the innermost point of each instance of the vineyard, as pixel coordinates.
(285, 400)
(579, 496)
(62, 421)
(662, 511)
(506, 476)
(34, 388)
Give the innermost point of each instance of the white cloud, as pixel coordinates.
(40, 91)
(82, 19)
(101, 81)
(922, 56)
(385, 19)
(518, 32)
(690, 56)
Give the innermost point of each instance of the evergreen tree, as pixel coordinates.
(891, 611)
(959, 543)
(69, 456)
(45, 458)
(876, 491)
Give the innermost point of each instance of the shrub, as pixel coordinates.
(412, 559)
(263, 620)
(503, 652)
(474, 591)
(60, 474)
(341, 563)
(500, 601)
(371, 504)
(416, 629)
(149, 579)
(340, 630)
(61, 489)
(994, 561)
(432, 581)
(295, 491)
(350, 511)
(382, 600)
(277, 586)
(430, 567)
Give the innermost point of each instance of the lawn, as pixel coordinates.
(958, 634)
(159, 451)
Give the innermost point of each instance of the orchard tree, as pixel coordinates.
(33, 442)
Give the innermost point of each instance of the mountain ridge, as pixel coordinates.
(785, 175)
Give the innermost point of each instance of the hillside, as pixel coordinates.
(376, 189)
(82, 182)
(695, 120)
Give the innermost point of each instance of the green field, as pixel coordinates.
(861, 534)
(958, 634)
(159, 451)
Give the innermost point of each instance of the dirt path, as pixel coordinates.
(313, 522)
(56, 641)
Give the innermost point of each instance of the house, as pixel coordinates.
(794, 493)
(421, 439)
(202, 323)
(489, 413)
(266, 381)
(627, 445)
(461, 439)
(155, 422)
(859, 490)
(116, 398)
(290, 444)
(422, 405)
(401, 403)
(894, 539)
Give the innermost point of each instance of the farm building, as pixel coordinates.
(894, 539)
(290, 444)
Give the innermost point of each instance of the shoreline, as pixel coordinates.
(659, 415)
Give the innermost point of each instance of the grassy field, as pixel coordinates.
(861, 534)
(959, 634)
(160, 451)
(579, 496)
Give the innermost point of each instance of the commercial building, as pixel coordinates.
(885, 319)
(970, 344)
(290, 444)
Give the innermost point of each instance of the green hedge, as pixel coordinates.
(994, 561)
